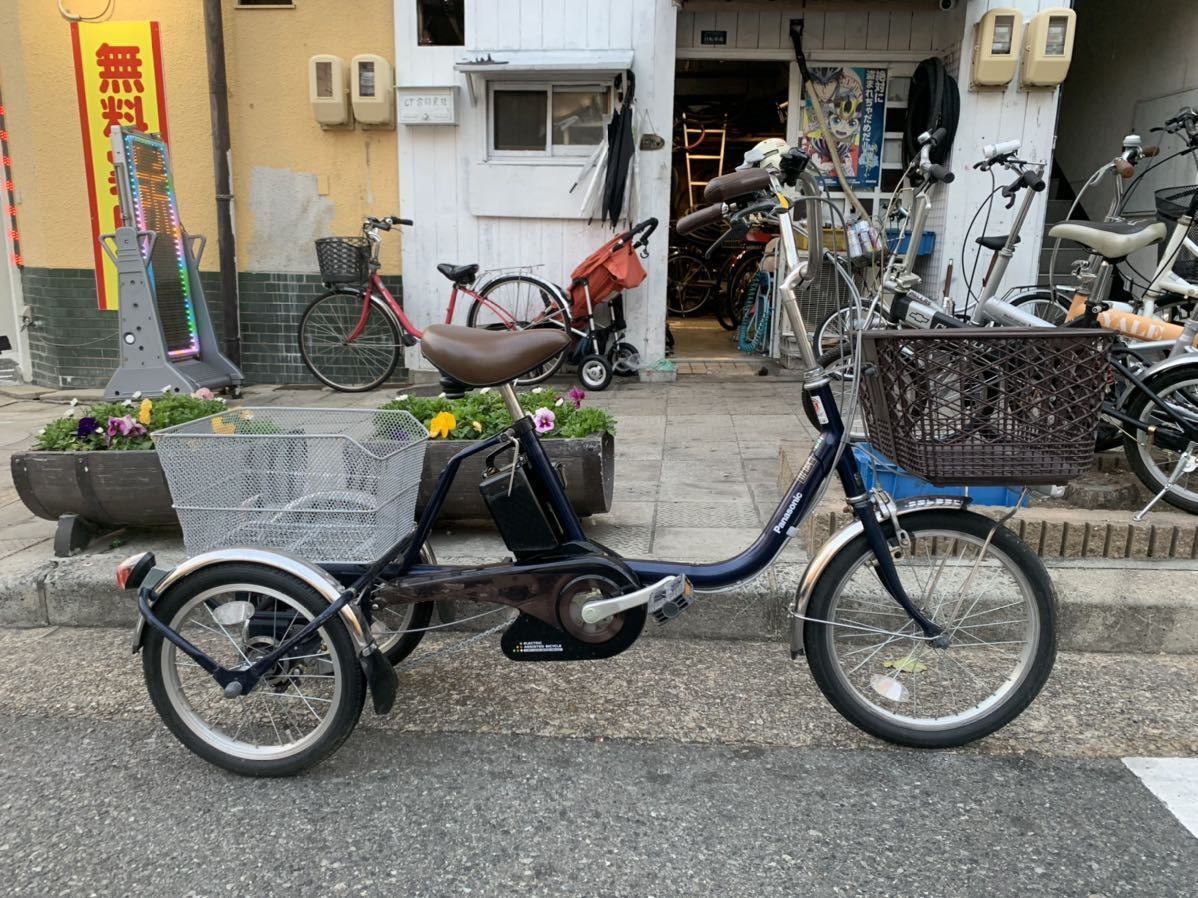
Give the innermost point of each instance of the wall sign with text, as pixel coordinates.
(428, 105)
(118, 76)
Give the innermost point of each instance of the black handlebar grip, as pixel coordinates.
(938, 136)
(689, 223)
(940, 173)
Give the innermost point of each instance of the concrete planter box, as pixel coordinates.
(109, 490)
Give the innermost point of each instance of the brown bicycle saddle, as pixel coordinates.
(487, 358)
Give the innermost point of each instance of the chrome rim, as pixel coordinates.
(391, 623)
(326, 329)
(1182, 398)
(520, 303)
(289, 710)
(975, 592)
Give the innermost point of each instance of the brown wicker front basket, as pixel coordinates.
(985, 405)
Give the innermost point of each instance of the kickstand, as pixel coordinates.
(1185, 465)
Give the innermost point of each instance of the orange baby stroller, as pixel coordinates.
(597, 308)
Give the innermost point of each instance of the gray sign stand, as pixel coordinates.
(146, 365)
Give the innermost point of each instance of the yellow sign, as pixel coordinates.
(118, 75)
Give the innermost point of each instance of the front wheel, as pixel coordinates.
(1044, 304)
(976, 580)
(625, 360)
(236, 613)
(338, 358)
(594, 372)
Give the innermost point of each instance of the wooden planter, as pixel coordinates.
(108, 490)
(588, 464)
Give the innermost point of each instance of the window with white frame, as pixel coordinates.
(546, 119)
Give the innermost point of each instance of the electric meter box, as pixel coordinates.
(327, 90)
(996, 39)
(372, 90)
(1048, 47)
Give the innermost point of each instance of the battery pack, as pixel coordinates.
(523, 523)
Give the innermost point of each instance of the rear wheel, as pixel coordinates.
(349, 366)
(298, 714)
(977, 581)
(625, 360)
(1045, 304)
(690, 283)
(521, 302)
(1155, 455)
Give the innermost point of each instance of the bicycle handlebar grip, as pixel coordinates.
(1125, 169)
(396, 220)
(940, 173)
(1149, 152)
(938, 136)
(689, 223)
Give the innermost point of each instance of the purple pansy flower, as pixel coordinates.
(125, 427)
(544, 420)
(88, 427)
(576, 396)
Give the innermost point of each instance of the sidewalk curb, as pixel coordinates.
(1134, 608)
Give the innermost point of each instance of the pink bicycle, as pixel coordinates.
(351, 337)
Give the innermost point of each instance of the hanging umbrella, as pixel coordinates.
(620, 151)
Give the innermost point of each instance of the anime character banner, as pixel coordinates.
(854, 104)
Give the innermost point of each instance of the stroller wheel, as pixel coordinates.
(594, 372)
(625, 360)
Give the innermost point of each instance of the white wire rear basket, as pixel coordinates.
(329, 485)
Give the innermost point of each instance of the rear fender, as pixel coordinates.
(328, 588)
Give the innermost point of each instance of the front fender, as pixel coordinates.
(820, 561)
(305, 571)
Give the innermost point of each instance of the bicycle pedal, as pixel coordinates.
(672, 608)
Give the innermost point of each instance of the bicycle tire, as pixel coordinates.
(738, 280)
(320, 324)
(1138, 445)
(552, 312)
(689, 283)
(1045, 304)
(935, 535)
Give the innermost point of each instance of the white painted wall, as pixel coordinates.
(990, 117)
(439, 164)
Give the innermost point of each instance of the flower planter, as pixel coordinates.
(107, 490)
(588, 465)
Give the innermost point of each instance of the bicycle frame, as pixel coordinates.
(402, 562)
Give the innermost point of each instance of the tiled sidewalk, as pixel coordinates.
(696, 464)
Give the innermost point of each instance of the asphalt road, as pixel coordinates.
(96, 798)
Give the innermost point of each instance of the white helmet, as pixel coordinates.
(767, 154)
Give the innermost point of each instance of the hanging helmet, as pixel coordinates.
(767, 154)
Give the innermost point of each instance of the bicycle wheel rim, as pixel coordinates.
(885, 673)
(273, 700)
(361, 365)
(518, 302)
(1158, 461)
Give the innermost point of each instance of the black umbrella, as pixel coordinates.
(620, 149)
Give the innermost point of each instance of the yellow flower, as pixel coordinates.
(478, 428)
(442, 424)
(143, 411)
(219, 426)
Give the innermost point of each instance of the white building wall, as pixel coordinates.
(443, 171)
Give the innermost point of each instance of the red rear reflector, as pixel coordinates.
(131, 571)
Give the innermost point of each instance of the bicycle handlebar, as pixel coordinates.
(385, 223)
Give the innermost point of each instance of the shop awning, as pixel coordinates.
(481, 65)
